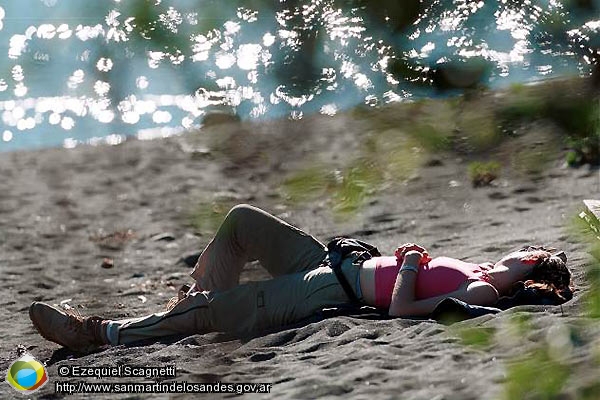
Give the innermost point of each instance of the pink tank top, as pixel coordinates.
(439, 276)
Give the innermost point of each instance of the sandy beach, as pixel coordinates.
(64, 211)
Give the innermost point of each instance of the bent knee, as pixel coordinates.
(241, 211)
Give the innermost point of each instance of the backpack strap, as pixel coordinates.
(339, 249)
(337, 269)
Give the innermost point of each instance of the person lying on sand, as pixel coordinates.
(409, 284)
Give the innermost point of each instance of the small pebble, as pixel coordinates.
(167, 237)
(107, 263)
(190, 259)
(434, 162)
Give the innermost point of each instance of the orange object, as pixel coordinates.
(401, 251)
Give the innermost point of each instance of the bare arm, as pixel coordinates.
(404, 303)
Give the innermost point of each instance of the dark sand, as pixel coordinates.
(54, 202)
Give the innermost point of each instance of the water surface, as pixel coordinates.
(95, 72)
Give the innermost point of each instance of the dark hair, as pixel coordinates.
(550, 277)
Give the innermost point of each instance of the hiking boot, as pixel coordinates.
(68, 328)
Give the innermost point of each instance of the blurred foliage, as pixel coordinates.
(432, 123)
(478, 128)
(384, 158)
(578, 116)
(581, 120)
(589, 392)
(206, 216)
(522, 105)
(431, 138)
(586, 228)
(301, 68)
(396, 14)
(483, 173)
(148, 26)
(475, 336)
(396, 154)
(543, 372)
(359, 180)
(592, 299)
(533, 160)
(309, 184)
(522, 323)
(535, 373)
(473, 126)
(535, 376)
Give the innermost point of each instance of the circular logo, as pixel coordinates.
(26, 374)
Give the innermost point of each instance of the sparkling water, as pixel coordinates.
(98, 71)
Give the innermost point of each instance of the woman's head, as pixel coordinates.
(549, 275)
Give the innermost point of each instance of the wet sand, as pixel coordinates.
(60, 210)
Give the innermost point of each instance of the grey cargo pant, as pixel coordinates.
(299, 288)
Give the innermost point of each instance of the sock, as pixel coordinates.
(112, 332)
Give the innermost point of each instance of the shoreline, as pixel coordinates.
(218, 117)
(62, 211)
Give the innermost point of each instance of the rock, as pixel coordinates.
(195, 151)
(175, 276)
(414, 177)
(189, 259)
(460, 74)
(213, 118)
(433, 162)
(200, 153)
(166, 236)
(497, 195)
(107, 263)
(112, 241)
